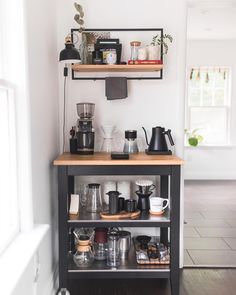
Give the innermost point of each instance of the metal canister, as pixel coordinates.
(125, 243)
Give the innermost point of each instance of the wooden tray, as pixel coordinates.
(121, 215)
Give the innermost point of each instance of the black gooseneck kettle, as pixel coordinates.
(158, 144)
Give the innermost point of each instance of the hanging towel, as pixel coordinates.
(116, 88)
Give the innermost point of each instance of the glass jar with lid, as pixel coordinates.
(134, 45)
(100, 244)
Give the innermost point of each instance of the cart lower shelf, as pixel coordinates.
(127, 269)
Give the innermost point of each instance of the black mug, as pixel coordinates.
(130, 205)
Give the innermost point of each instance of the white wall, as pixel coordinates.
(41, 21)
(213, 162)
(150, 103)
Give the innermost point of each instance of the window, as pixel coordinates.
(208, 104)
(8, 172)
(15, 182)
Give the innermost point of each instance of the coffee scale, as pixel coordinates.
(82, 141)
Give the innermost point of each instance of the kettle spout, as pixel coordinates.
(145, 132)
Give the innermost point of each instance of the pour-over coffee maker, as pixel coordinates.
(145, 190)
(85, 134)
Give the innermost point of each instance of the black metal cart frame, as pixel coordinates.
(170, 187)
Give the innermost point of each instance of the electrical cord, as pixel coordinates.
(64, 113)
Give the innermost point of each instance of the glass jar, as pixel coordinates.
(134, 45)
(84, 256)
(94, 204)
(100, 244)
(113, 255)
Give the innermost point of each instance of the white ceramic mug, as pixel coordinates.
(156, 204)
(153, 52)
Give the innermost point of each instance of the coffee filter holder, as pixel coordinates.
(144, 182)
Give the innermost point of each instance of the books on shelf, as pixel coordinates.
(145, 62)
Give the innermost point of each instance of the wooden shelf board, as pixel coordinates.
(116, 68)
(97, 159)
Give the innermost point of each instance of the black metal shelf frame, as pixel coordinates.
(160, 77)
(170, 187)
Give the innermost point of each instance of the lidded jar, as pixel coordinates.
(84, 256)
(94, 204)
(134, 45)
(100, 243)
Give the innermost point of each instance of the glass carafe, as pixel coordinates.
(84, 256)
(94, 204)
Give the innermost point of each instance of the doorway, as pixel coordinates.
(210, 161)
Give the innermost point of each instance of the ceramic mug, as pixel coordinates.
(156, 204)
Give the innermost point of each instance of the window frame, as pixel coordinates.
(14, 212)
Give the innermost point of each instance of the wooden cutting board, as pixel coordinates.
(121, 215)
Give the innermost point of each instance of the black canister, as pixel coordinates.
(130, 205)
(121, 204)
(113, 202)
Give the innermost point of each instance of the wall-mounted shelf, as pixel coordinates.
(116, 68)
(157, 70)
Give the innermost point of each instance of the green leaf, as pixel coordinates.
(81, 22)
(199, 138)
(78, 7)
(77, 18)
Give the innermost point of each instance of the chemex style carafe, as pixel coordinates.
(158, 144)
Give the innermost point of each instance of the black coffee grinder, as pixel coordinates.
(83, 142)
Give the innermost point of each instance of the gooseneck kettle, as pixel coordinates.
(158, 144)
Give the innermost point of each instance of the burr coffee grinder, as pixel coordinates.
(83, 141)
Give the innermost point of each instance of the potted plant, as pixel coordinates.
(193, 137)
(154, 47)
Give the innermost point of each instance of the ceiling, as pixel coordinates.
(211, 20)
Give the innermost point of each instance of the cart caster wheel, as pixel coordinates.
(64, 291)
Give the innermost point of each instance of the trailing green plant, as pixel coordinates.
(164, 40)
(194, 138)
(79, 16)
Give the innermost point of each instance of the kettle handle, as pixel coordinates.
(145, 132)
(168, 132)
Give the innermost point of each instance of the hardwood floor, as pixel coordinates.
(193, 282)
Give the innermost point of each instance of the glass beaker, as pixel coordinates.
(113, 255)
(94, 204)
